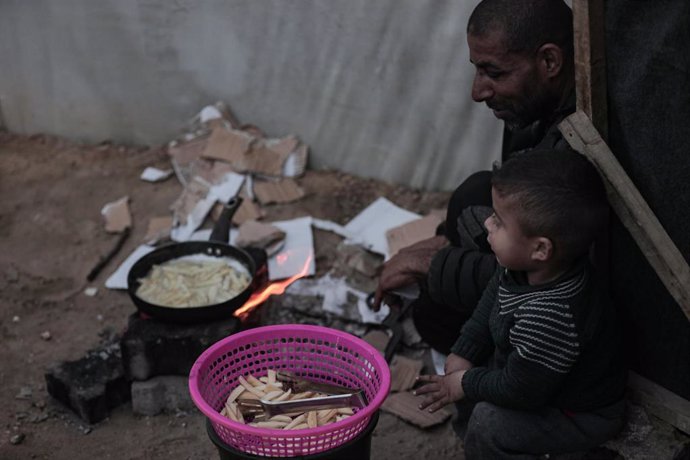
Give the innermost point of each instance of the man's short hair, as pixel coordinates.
(559, 195)
(527, 24)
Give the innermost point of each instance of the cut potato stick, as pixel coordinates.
(296, 421)
(234, 394)
(301, 426)
(312, 419)
(272, 395)
(250, 387)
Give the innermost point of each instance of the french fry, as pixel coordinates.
(270, 424)
(271, 376)
(250, 387)
(235, 393)
(296, 421)
(345, 411)
(280, 418)
(284, 396)
(301, 426)
(253, 380)
(324, 416)
(312, 419)
(272, 395)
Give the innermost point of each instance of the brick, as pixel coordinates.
(166, 393)
(91, 386)
(151, 348)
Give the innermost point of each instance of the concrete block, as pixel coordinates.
(151, 348)
(166, 393)
(92, 385)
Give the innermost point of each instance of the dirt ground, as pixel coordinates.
(51, 235)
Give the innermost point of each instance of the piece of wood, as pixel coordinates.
(590, 61)
(659, 401)
(632, 209)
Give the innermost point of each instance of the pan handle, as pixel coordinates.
(221, 229)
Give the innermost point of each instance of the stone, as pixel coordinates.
(165, 393)
(91, 386)
(151, 348)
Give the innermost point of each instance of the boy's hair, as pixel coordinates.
(559, 195)
(527, 24)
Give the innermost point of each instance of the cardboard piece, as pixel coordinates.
(158, 229)
(297, 254)
(248, 210)
(264, 160)
(282, 191)
(377, 339)
(194, 192)
(404, 371)
(117, 215)
(406, 406)
(186, 152)
(296, 162)
(412, 232)
(247, 151)
(369, 227)
(257, 234)
(229, 145)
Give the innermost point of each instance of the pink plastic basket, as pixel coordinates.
(317, 353)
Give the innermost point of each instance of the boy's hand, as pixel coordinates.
(440, 390)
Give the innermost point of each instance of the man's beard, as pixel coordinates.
(524, 114)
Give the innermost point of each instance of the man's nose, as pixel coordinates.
(481, 89)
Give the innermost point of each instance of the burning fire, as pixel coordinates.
(272, 289)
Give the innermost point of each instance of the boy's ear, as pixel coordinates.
(542, 249)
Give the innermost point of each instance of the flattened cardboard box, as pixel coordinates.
(228, 145)
(117, 216)
(404, 371)
(248, 210)
(406, 406)
(413, 232)
(282, 191)
(247, 153)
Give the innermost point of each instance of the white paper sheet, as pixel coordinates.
(369, 227)
(297, 250)
(118, 280)
(228, 187)
(151, 174)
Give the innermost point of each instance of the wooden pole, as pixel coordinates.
(590, 61)
(632, 209)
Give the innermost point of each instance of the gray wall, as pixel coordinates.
(379, 88)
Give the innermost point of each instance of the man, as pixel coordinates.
(523, 55)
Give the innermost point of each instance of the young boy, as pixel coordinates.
(541, 353)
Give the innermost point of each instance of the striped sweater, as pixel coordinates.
(556, 344)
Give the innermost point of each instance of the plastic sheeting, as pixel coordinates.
(376, 88)
(648, 68)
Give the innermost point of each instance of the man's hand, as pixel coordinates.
(440, 390)
(456, 363)
(408, 266)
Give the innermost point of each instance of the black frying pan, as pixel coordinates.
(217, 246)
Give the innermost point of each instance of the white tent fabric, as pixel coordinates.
(378, 88)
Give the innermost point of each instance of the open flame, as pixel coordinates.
(272, 289)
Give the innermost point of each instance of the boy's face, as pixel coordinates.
(513, 249)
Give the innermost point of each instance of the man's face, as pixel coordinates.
(511, 246)
(509, 83)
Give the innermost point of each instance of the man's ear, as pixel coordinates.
(542, 250)
(550, 59)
